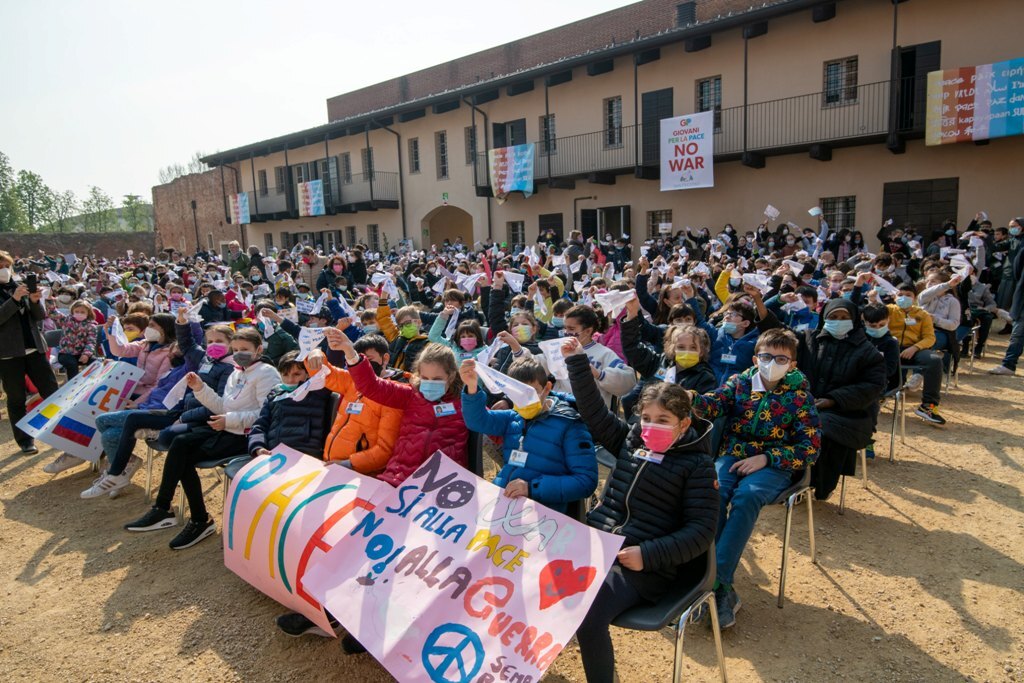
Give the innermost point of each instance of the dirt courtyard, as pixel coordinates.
(920, 580)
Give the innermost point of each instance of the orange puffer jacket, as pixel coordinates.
(365, 438)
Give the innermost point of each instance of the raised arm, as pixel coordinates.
(606, 428)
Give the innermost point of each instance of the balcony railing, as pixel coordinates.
(772, 126)
(378, 186)
(377, 189)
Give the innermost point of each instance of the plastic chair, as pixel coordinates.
(790, 497)
(679, 604)
(53, 337)
(863, 455)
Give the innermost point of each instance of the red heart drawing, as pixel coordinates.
(560, 579)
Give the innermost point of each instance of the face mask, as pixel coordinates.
(377, 367)
(904, 302)
(515, 311)
(951, 232)
(558, 322)
(659, 438)
(433, 389)
(80, 317)
(734, 282)
(65, 299)
(343, 287)
(1015, 232)
(877, 332)
(772, 371)
(838, 328)
(790, 240)
(771, 245)
(371, 329)
(131, 335)
(687, 359)
(523, 332)
(221, 306)
(409, 330)
(337, 269)
(216, 351)
(5, 275)
(244, 359)
(531, 411)
(468, 343)
(847, 295)
(177, 297)
(255, 278)
(728, 327)
(152, 335)
(287, 387)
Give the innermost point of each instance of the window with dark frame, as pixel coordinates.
(840, 82)
(414, 155)
(346, 168)
(839, 212)
(709, 98)
(373, 236)
(612, 111)
(350, 235)
(279, 179)
(516, 233)
(261, 177)
(549, 141)
(656, 218)
(441, 148)
(367, 155)
(470, 135)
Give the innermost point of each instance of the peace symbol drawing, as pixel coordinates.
(452, 653)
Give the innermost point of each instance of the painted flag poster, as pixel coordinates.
(975, 103)
(511, 170)
(687, 152)
(240, 208)
(311, 198)
(449, 580)
(283, 512)
(67, 419)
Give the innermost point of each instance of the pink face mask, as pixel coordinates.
(468, 343)
(216, 351)
(79, 316)
(659, 438)
(337, 269)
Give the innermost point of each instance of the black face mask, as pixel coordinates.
(377, 367)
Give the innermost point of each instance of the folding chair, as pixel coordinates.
(475, 449)
(149, 436)
(863, 455)
(899, 408)
(971, 346)
(679, 604)
(790, 497)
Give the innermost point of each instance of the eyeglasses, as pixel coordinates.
(780, 359)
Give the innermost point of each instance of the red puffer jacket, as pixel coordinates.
(422, 432)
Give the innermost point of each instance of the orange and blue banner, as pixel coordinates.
(239, 208)
(975, 103)
(310, 198)
(511, 170)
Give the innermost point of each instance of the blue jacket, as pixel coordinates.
(302, 425)
(804, 319)
(561, 464)
(724, 345)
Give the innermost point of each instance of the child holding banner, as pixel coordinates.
(233, 414)
(662, 497)
(549, 455)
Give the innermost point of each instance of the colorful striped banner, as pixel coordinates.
(975, 103)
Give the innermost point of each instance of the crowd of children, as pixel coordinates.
(715, 369)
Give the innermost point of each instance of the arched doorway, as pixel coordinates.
(447, 222)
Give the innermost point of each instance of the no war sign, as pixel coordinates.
(442, 579)
(687, 151)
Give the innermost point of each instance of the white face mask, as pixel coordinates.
(5, 275)
(772, 371)
(152, 335)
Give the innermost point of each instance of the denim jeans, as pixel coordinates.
(117, 433)
(1016, 346)
(747, 495)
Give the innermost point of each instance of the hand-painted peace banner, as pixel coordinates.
(311, 198)
(975, 103)
(511, 170)
(447, 580)
(283, 512)
(67, 419)
(239, 208)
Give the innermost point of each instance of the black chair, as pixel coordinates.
(232, 468)
(790, 497)
(53, 337)
(678, 606)
(475, 449)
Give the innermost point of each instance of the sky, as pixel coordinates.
(106, 93)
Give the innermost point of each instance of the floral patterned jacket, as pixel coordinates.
(781, 424)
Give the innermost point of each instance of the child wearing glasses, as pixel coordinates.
(772, 433)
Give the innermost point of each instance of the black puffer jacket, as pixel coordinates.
(700, 378)
(668, 509)
(302, 425)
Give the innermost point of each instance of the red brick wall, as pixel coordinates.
(641, 19)
(105, 244)
(172, 210)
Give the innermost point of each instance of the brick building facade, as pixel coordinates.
(175, 223)
(103, 245)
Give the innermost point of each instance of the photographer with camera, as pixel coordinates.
(23, 350)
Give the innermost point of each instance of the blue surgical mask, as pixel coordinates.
(951, 232)
(838, 328)
(729, 327)
(433, 389)
(904, 302)
(1015, 232)
(877, 332)
(288, 387)
(558, 322)
(847, 295)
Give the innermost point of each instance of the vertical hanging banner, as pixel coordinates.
(66, 420)
(449, 580)
(283, 511)
(687, 151)
(310, 198)
(511, 170)
(975, 103)
(240, 208)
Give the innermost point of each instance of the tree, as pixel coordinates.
(65, 206)
(194, 165)
(35, 197)
(100, 215)
(12, 215)
(135, 212)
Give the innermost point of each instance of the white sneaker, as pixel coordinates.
(915, 382)
(1000, 370)
(64, 461)
(107, 484)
